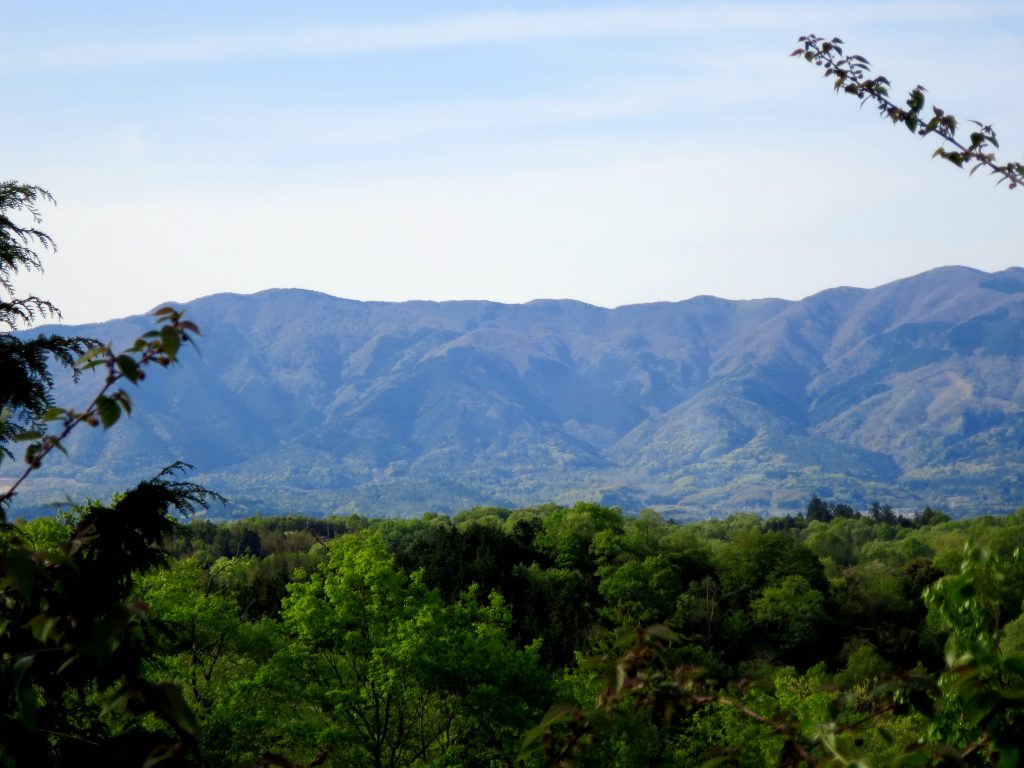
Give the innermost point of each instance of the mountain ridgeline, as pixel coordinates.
(911, 394)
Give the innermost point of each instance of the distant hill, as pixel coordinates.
(911, 394)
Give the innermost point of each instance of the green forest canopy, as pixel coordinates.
(348, 641)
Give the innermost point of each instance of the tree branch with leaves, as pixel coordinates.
(850, 74)
(159, 347)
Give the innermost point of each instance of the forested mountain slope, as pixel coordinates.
(910, 393)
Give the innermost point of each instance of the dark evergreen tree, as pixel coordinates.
(26, 383)
(818, 510)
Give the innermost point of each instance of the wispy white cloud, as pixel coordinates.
(504, 27)
(376, 126)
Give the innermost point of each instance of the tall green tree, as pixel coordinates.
(214, 650)
(394, 675)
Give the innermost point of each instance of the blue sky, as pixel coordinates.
(612, 153)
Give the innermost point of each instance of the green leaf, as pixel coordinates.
(43, 627)
(171, 341)
(1015, 697)
(166, 700)
(127, 365)
(31, 452)
(559, 713)
(108, 410)
(89, 355)
(124, 401)
(662, 632)
(160, 754)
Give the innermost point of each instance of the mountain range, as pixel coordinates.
(910, 394)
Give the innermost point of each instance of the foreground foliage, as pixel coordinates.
(879, 638)
(73, 645)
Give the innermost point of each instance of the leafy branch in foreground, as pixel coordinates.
(158, 347)
(972, 712)
(851, 75)
(642, 682)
